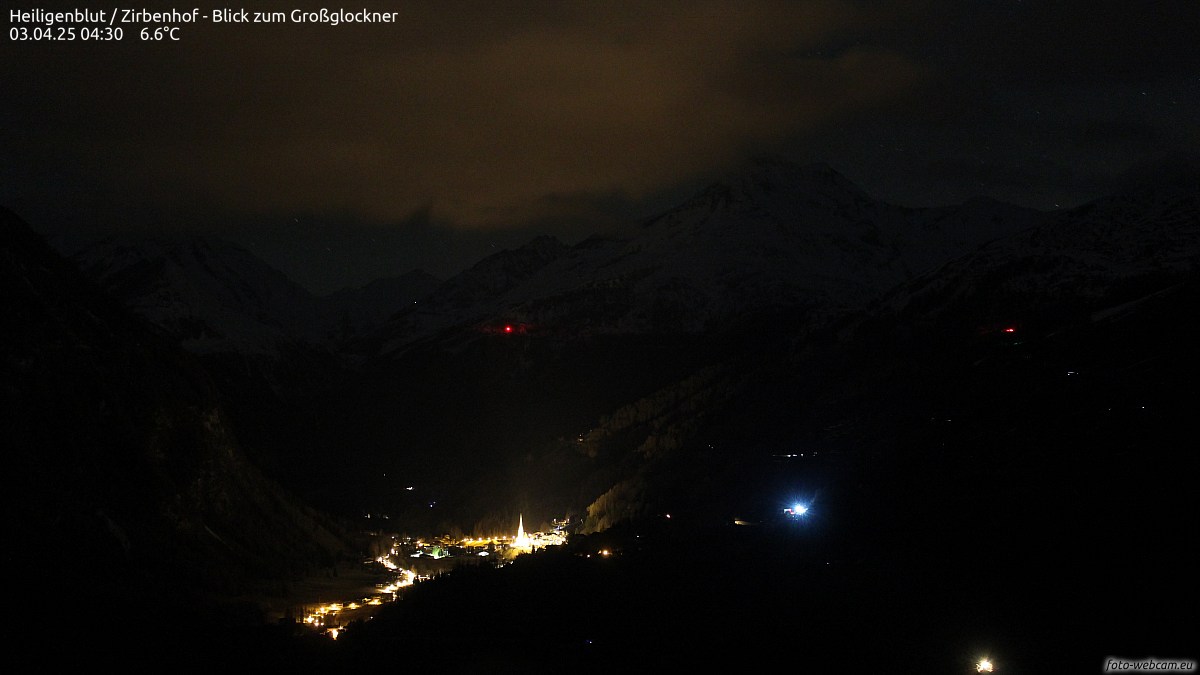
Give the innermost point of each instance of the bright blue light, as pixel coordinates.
(796, 510)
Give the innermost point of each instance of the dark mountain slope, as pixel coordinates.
(972, 490)
(128, 497)
(1036, 354)
(212, 295)
(489, 381)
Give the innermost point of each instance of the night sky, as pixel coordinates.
(343, 153)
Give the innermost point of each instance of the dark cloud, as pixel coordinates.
(572, 115)
(478, 114)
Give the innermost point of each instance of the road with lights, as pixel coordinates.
(422, 559)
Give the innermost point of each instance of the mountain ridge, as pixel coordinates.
(786, 235)
(123, 456)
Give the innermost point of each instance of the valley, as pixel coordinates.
(781, 394)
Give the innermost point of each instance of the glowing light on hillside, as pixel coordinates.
(984, 666)
(796, 510)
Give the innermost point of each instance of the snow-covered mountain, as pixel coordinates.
(774, 237)
(1069, 342)
(213, 295)
(1112, 251)
(217, 297)
(119, 442)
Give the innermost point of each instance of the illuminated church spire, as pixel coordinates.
(522, 541)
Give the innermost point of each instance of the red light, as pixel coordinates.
(1010, 330)
(508, 329)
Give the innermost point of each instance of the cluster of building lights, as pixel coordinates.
(522, 542)
(329, 618)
